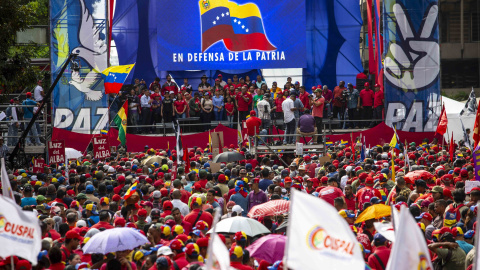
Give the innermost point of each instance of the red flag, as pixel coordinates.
(220, 146)
(476, 127)
(451, 148)
(186, 158)
(442, 122)
(353, 146)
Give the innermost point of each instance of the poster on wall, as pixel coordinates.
(412, 65)
(238, 34)
(79, 102)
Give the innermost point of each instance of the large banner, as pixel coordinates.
(223, 34)
(412, 65)
(79, 26)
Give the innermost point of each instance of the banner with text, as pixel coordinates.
(101, 147)
(239, 34)
(56, 151)
(38, 165)
(412, 65)
(78, 26)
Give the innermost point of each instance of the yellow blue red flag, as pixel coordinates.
(130, 191)
(115, 76)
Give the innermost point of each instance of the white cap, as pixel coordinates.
(81, 223)
(33, 178)
(349, 169)
(165, 250)
(171, 92)
(237, 208)
(111, 170)
(302, 167)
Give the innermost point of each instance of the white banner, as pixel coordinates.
(318, 235)
(410, 250)
(6, 187)
(20, 233)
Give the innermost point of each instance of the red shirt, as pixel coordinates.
(242, 104)
(330, 193)
(378, 100)
(350, 203)
(207, 217)
(383, 253)
(362, 76)
(180, 260)
(310, 168)
(57, 266)
(337, 92)
(203, 182)
(367, 97)
(278, 104)
(180, 105)
(305, 100)
(253, 126)
(167, 87)
(229, 107)
(252, 161)
(103, 224)
(240, 266)
(185, 196)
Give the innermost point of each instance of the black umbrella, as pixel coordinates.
(228, 157)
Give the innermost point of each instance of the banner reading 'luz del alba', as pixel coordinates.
(412, 65)
(237, 34)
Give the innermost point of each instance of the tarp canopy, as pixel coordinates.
(453, 109)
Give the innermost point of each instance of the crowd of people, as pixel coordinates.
(233, 99)
(175, 205)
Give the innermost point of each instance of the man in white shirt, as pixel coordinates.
(146, 103)
(288, 108)
(264, 109)
(176, 202)
(38, 92)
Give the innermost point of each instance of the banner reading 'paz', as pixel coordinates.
(318, 235)
(412, 65)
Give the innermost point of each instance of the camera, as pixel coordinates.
(345, 95)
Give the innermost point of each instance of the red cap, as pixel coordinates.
(158, 183)
(120, 222)
(377, 85)
(73, 235)
(201, 225)
(288, 179)
(426, 216)
(252, 113)
(142, 213)
(176, 244)
(23, 265)
(71, 192)
(29, 94)
(366, 84)
(324, 179)
(369, 180)
(222, 178)
(202, 242)
(116, 198)
(167, 205)
(121, 179)
(256, 180)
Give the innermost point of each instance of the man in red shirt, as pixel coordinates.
(331, 192)
(318, 104)
(253, 126)
(236, 258)
(339, 102)
(304, 98)
(197, 214)
(72, 240)
(244, 100)
(378, 105)
(367, 96)
(365, 194)
(178, 255)
(349, 198)
(104, 222)
(169, 86)
(379, 259)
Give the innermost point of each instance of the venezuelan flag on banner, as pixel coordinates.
(115, 76)
(239, 26)
(130, 191)
(121, 122)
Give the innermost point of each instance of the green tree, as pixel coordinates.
(16, 71)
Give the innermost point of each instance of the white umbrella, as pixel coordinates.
(251, 227)
(71, 153)
(112, 240)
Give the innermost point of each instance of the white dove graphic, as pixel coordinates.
(93, 51)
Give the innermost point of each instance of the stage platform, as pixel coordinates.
(31, 150)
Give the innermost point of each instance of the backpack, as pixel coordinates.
(453, 214)
(367, 194)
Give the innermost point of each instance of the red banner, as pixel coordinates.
(101, 147)
(56, 151)
(38, 165)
